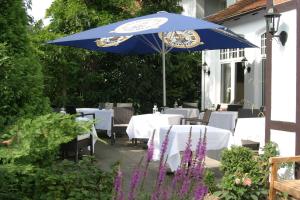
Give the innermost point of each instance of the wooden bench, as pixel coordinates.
(291, 187)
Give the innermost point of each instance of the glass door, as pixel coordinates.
(225, 83)
(239, 83)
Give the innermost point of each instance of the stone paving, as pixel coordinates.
(128, 155)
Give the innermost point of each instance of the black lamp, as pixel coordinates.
(205, 68)
(272, 22)
(245, 65)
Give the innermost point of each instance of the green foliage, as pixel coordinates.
(153, 6)
(237, 159)
(36, 141)
(13, 25)
(245, 175)
(209, 181)
(21, 78)
(61, 180)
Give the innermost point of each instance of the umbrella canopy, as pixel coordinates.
(161, 32)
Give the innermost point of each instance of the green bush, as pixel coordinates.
(37, 141)
(237, 159)
(61, 180)
(245, 175)
(30, 168)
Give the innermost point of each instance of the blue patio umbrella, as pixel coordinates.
(161, 32)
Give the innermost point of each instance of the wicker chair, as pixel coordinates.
(122, 116)
(291, 187)
(204, 120)
(76, 148)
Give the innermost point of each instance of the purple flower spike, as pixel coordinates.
(185, 188)
(162, 167)
(187, 154)
(200, 192)
(148, 159)
(118, 186)
(166, 194)
(135, 179)
(198, 168)
(164, 147)
(134, 183)
(150, 148)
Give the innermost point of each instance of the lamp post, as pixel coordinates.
(272, 24)
(206, 70)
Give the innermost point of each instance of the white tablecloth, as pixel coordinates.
(142, 126)
(223, 119)
(250, 129)
(87, 135)
(186, 112)
(216, 139)
(103, 118)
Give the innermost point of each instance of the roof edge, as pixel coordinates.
(235, 15)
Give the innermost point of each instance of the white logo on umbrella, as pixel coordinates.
(141, 25)
(111, 41)
(182, 39)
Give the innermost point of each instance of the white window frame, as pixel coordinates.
(231, 54)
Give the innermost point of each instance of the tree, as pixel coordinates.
(21, 78)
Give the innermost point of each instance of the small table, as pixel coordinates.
(142, 126)
(103, 118)
(223, 119)
(186, 112)
(216, 139)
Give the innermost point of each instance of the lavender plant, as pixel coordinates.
(187, 182)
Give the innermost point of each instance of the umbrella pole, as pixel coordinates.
(164, 69)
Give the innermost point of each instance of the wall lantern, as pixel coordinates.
(245, 65)
(205, 68)
(272, 22)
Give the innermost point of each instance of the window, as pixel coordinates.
(231, 53)
(226, 83)
(234, 53)
(223, 54)
(241, 53)
(263, 44)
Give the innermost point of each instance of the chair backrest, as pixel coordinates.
(234, 107)
(70, 109)
(124, 105)
(190, 105)
(248, 113)
(218, 107)
(122, 115)
(108, 105)
(206, 117)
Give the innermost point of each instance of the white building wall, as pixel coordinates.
(189, 8)
(201, 8)
(251, 27)
(283, 105)
(284, 71)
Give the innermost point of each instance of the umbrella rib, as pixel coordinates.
(146, 41)
(156, 41)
